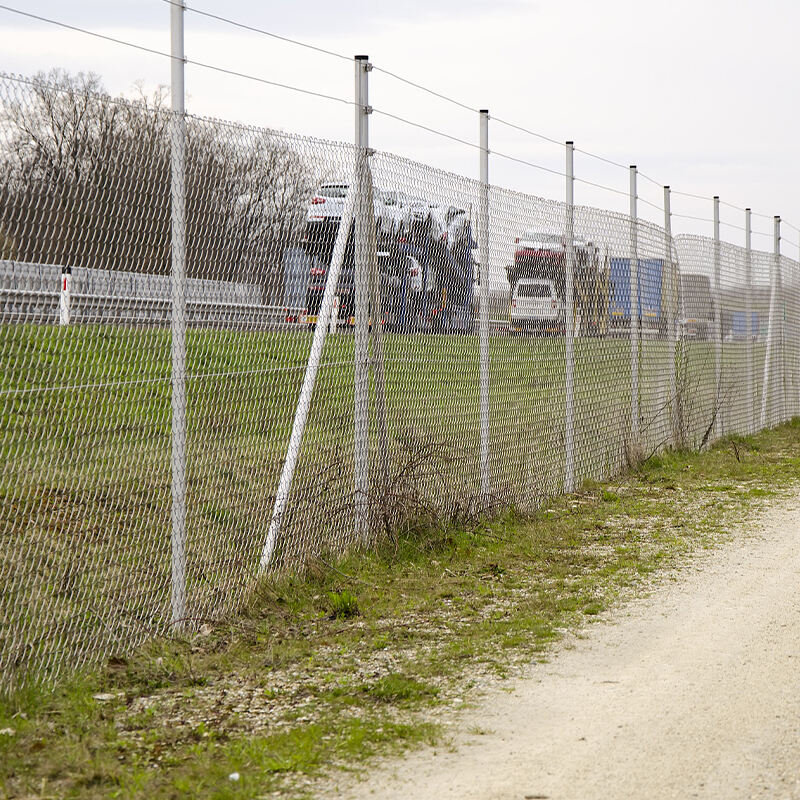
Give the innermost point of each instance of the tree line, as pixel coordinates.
(85, 181)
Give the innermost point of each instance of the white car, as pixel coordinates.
(536, 306)
(394, 213)
(328, 203)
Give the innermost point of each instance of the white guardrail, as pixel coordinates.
(140, 299)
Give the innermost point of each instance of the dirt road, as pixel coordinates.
(691, 692)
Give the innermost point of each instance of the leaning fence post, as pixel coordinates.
(717, 410)
(773, 280)
(64, 301)
(361, 288)
(178, 203)
(635, 312)
(329, 306)
(483, 245)
(748, 311)
(569, 325)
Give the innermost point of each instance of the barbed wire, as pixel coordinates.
(254, 29)
(692, 217)
(648, 178)
(427, 128)
(419, 86)
(690, 194)
(601, 186)
(528, 163)
(163, 54)
(601, 158)
(732, 225)
(526, 130)
(648, 203)
(414, 84)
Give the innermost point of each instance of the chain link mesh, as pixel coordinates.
(87, 385)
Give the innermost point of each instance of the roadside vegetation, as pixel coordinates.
(373, 653)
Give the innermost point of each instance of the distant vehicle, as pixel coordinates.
(327, 204)
(739, 326)
(697, 315)
(542, 256)
(425, 260)
(394, 212)
(536, 305)
(650, 273)
(405, 298)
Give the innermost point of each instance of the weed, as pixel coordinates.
(343, 604)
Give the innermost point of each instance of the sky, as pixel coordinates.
(700, 94)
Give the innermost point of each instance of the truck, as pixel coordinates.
(426, 267)
(697, 314)
(650, 279)
(602, 287)
(537, 281)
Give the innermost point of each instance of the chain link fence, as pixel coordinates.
(341, 383)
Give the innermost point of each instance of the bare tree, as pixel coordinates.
(87, 181)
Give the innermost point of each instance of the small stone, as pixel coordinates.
(234, 776)
(104, 697)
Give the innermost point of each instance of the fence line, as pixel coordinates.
(472, 349)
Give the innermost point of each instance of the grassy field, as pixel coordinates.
(375, 652)
(85, 481)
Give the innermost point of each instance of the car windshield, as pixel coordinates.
(534, 290)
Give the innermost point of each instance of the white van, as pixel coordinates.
(536, 306)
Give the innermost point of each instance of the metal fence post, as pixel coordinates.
(748, 306)
(671, 267)
(178, 203)
(66, 289)
(717, 410)
(635, 311)
(361, 288)
(781, 298)
(773, 280)
(370, 250)
(569, 324)
(483, 254)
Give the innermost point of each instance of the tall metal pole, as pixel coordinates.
(781, 301)
(363, 220)
(773, 280)
(671, 268)
(569, 324)
(369, 246)
(483, 255)
(635, 310)
(717, 411)
(178, 202)
(748, 310)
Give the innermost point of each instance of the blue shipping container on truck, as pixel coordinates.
(649, 281)
(740, 324)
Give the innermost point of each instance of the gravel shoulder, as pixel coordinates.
(693, 691)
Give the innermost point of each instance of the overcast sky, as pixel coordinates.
(699, 94)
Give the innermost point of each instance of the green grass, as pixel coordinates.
(85, 488)
(286, 693)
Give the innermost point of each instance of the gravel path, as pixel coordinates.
(691, 692)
